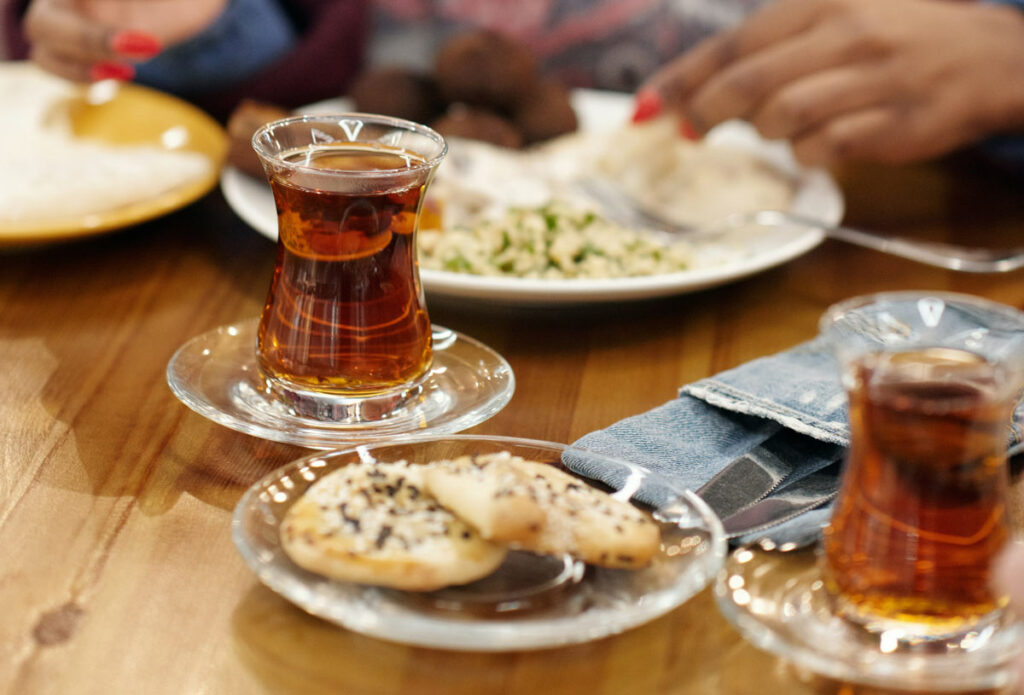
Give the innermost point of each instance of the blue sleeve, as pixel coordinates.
(248, 36)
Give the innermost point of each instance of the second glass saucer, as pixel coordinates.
(779, 602)
(530, 601)
(216, 374)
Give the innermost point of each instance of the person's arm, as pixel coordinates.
(859, 79)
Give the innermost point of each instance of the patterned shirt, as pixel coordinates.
(606, 44)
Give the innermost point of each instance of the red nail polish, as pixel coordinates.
(687, 131)
(648, 105)
(135, 44)
(111, 71)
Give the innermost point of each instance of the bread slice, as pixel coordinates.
(539, 508)
(588, 523)
(490, 493)
(374, 523)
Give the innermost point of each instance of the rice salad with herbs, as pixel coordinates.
(556, 240)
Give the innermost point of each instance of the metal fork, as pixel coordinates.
(619, 206)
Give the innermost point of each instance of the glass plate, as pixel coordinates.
(778, 601)
(217, 375)
(529, 602)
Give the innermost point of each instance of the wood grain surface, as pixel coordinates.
(117, 570)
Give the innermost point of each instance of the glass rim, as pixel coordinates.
(834, 312)
(334, 117)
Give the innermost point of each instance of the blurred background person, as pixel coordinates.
(843, 80)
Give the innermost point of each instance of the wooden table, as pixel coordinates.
(117, 570)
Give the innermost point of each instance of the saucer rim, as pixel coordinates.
(323, 436)
(891, 670)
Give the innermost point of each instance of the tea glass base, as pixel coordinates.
(779, 602)
(217, 375)
(916, 630)
(348, 410)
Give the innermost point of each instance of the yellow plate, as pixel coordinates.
(129, 114)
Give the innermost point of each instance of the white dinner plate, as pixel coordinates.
(817, 196)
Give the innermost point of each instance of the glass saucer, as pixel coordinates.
(778, 601)
(529, 602)
(216, 374)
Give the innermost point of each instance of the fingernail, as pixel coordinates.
(111, 71)
(135, 44)
(687, 130)
(648, 105)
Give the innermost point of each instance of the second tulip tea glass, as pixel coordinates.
(921, 515)
(900, 595)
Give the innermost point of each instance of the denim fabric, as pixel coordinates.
(247, 37)
(798, 388)
(714, 421)
(791, 403)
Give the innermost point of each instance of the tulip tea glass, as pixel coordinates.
(932, 380)
(345, 328)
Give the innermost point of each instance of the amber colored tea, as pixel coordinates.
(345, 311)
(921, 515)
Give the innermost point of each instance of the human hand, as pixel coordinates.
(1009, 579)
(86, 40)
(882, 80)
(68, 42)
